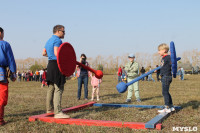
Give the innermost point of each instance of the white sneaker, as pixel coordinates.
(165, 110)
(61, 115)
(172, 109)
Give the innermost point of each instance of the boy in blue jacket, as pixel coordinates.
(6, 60)
(166, 77)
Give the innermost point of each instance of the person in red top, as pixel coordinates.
(44, 77)
(119, 73)
(31, 76)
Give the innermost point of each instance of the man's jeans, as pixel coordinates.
(166, 80)
(83, 80)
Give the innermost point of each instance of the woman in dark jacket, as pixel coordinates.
(83, 75)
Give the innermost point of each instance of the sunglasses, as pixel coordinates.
(62, 31)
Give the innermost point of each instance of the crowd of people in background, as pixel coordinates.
(39, 75)
(29, 75)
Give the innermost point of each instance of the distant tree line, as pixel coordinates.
(110, 64)
(31, 64)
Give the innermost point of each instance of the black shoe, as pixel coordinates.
(78, 99)
(2, 122)
(128, 100)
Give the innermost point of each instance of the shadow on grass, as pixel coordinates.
(26, 114)
(110, 96)
(18, 117)
(195, 104)
(85, 112)
(149, 98)
(142, 99)
(132, 101)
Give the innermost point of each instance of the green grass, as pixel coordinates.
(27, 99)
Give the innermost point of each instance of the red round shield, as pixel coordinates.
(66, 59)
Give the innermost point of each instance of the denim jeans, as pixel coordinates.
(143, 77)
(82, 80)
(41, 78)
(182, 77)
(150, 78)
(119, 79)
(166, 80)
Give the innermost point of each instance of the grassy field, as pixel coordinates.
(27, 99)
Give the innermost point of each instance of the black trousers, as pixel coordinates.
(158, 74)
(166, 81)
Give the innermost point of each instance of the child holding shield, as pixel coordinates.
(166, 77)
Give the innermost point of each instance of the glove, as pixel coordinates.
(13, 77)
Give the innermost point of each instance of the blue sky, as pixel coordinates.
(101, 27)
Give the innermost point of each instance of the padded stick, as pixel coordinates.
(122, 87)
(142, 76)
(98, 73)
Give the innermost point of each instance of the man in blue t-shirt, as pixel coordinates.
(54, 77)
(52, 46)
(6, 60)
